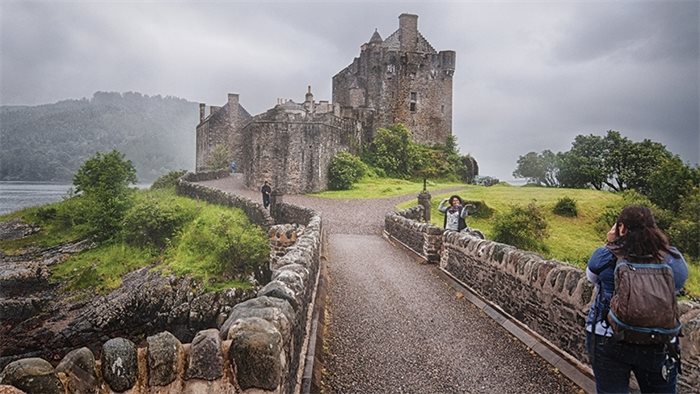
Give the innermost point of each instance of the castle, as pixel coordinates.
(400, 79)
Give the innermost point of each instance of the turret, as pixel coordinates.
(309, 101)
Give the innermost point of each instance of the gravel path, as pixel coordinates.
(394, 326)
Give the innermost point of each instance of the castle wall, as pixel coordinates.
(222, 126)
(293, 152)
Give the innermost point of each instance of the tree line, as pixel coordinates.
(644, 172)
(49, 142)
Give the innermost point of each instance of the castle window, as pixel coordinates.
(442, 108)
(413, 104)
(390, 68)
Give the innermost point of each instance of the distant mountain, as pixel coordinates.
(50, 142)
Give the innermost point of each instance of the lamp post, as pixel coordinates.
(424, 200)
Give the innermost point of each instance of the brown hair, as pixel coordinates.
(643, 239)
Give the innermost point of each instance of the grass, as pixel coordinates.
(101, 269)
(371, 187)
(571, 240)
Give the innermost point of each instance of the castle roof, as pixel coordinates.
(392, 43)
(376, 38)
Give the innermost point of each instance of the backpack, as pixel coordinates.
(643, 308)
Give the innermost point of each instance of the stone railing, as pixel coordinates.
(260, 347)
(423, 238)
(550, 297)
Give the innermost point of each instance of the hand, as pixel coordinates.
(612, 234)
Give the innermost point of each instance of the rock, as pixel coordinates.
(16, 229)
(163, 352)
(6, 389)
(79, 367)
(277, 311)
(119, 364)
(256, 351)
(32, 375)
(206, 361)
(278, 289)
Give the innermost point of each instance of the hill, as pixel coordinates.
(49, 142)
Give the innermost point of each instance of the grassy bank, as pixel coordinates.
(205, 235)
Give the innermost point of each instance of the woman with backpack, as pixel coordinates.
(622, 335)
(455, 213)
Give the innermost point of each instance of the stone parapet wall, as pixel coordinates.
(206, 175)
(550, 297)
(423, 238)
(260, 347)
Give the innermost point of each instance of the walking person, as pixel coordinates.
(455, 213)
(266, 190)
(636, 248)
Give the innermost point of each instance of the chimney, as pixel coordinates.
(202, 109)
(408, 32)
(232, 101)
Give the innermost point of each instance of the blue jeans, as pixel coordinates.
(613, 361)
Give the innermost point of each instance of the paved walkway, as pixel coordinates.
(396, 327)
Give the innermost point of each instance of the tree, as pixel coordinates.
(540, 169)
(392, 150)
(628, 164)
(583, 165)
(220, 158)
(103, 181)
(671, 182)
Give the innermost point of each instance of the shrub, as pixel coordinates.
(152, 222)
(104, 180)
(522, 227)
(565, 206)
(480, 210)
(168, 180)
(344, 170)
(221, 244)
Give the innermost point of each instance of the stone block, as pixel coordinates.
(163, 353)
(278, 289)
(119, 364)
(206, 361)
(79, 367)
(32, 375)
(256, 351)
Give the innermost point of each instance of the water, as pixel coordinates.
(17, 195)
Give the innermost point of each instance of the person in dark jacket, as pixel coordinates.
(635, 238)
(266, 190)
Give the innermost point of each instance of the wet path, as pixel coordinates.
(395, 326)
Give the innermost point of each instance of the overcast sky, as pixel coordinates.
(531, 75)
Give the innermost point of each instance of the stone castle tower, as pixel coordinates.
(401, 79)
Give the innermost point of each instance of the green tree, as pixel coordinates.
(540, 169)
(583, 165)
(670, 182)
(392, 150)
(103, 181)
(220, 157)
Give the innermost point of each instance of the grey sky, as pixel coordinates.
(530, 75)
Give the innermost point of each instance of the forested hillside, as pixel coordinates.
(49, 142)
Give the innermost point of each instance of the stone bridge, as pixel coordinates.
(365, 300)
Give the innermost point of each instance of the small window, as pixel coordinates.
(414, 96)
(414, 101)
(413, 107)
(442, 109)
